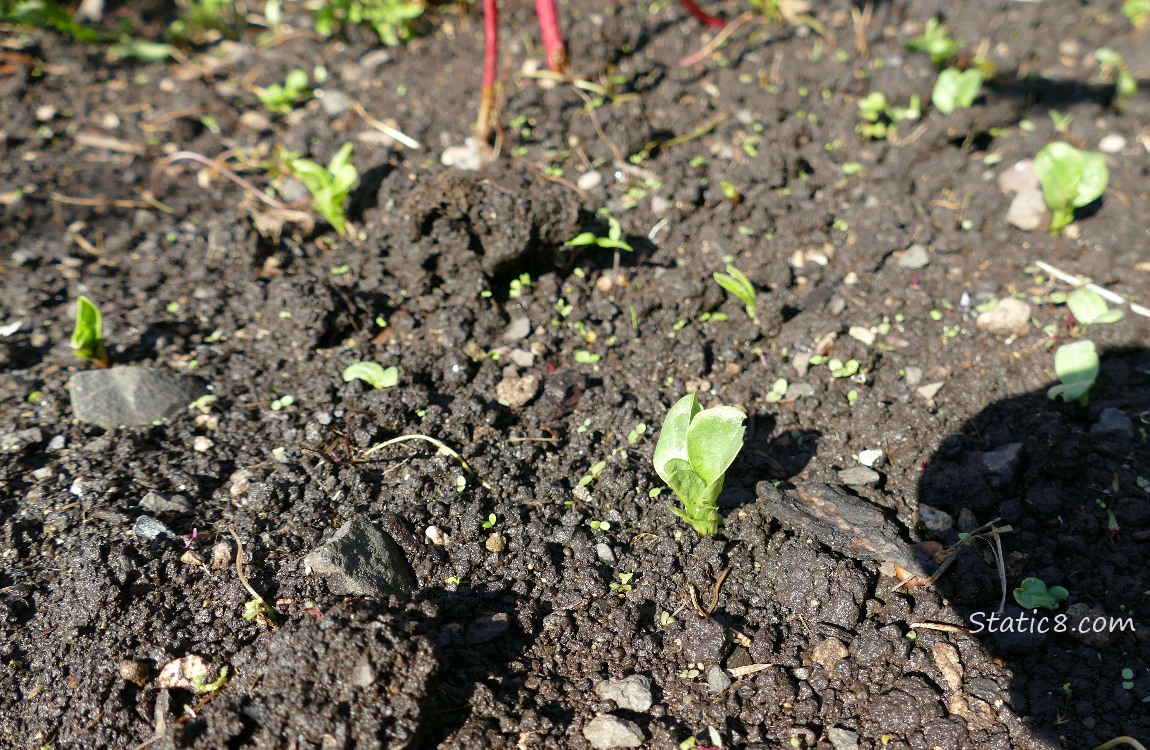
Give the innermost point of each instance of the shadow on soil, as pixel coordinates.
(1070, 481)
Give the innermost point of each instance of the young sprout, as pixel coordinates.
(1088, 308)
(955, 88)
(372, 373)
(1070, 179)
(490, 522)
(737, 283)
(256, 606)
(695, 449)
(613, 241)
(936, 43)
(1034, 593)
(329, 187)
(88, 334)
(281, 99)
(392, 20)
(1115, 70)
(778, 391)
(1077, 367)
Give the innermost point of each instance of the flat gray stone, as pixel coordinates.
(149, 529)
(934, 521)
(154, 502)
(914, 258)
(1111, 423)
(520, 328)
(859, 476)
(632, 693)
(606, 731)
(1027, 210)
(131, 395)
(15, 442)
(1010, 317)
(362, 560)
(717, 679)
(1002, 464)
(843, 739)
(487, 628)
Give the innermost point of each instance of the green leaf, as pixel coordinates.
(1033, 593)
(714, 439)
(1077, 367)
(955, 88)
(1070, 179)
(672, 443)
(737, 283)
(372, 373)
(1092, 182)
(89, 326)
(1088, 307)
(581, 239)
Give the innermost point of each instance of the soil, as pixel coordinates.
(504, 648)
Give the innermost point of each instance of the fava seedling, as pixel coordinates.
(372, 373)
(954, 89)
(329, 187)
(939, 45)
(88, 333)
(1070, 179)
(696, 447)
(282, 98)
(737, 283)
(1089, 308)
(1077, 368)
(1034, 593)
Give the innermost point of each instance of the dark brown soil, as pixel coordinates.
(433, 252)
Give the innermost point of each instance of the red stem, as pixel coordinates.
(702, 17)
(490, 70)
(553, 45)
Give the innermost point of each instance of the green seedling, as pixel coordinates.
(840, 369)
(256, 606)
(282, 98)
(1127, 678)
(1088, 308)
(517, 286)
(1034, 593)
(392, 20)
(955, 88)
(1077, 368)
(613, 241)
(1115, 70)
(637, 432)
(282, 402)
(596, 470)
(372, 373)
(329, 187)
(199, 683)
(737, 283)
(203, 21)
(1070, 179)
(778, 391)
(880, 119)
(601, 525)
(623, 585)
(490, 522)
(586, 358)
(88, 333)
(695, 449)
(1138, 11)
(936, 43)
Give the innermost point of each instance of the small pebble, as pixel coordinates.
(605, 554)
(1112, 144)
(605, 732)
(717, 679)
(914, 257)
(1010, 317)
(1018, 177)
(1028, 210)
(859, 476)
(934, 521)
(631, 693)
(437, 536)
(872, 458)
(149, 529)
(202, 444)
(589, 180)
(516, 392)
(520, 328)
(137, 672)
(496, 543)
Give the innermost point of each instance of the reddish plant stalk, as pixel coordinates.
(702, 17)
(490, 70)
(553, 45)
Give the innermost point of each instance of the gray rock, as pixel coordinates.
(334, 102)
(15, 442)
(1028, 210)
(149, 529)
(704, 641)
(154, 502)
(872, 458)
(516, 392)
(859, 476)
(131, 395)
(934, 521)
(632, 693)
(521, 357)
(1018, 177)
(915, 257)
(605, 554)
(1002, 464)
(1010, 317)
(487, 628)
(1111, 423)
(606, 731)
(57, 443)
(843, 739)
(717, 679)
(520, 328)
(361, 559)
(1080, 611)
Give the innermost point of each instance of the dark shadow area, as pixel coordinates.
(1071, 481)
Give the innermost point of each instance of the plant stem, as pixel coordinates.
(697, 12)
(490, 70)
(552, 35)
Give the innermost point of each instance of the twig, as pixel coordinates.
(1104, 293)
(386, 129)
(715, 589)
(259, 600)
(1121, 741)
(712, 45)
(405, 438)
(201, 159)
(942, 626)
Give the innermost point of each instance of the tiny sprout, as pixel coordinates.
(955, 89)
(689, 674)
(1088, 308)
(586, 358)
(778, 391)
(491, 521)
(840, 369)
(282, 402)
(281, 99)
(665, 618)
(596, 470)
(623, 584)
(637, 433)
(452, 580)
(210, 687)
(1070, 179)
(372, 373)
(460, 483)
(731, 193)
(1127, 678)
(601, 525)
(1077, 368)
(87, 335)
(935, 42)
(613, 241)
(1034, 593)
(737, 283)
(329, 187)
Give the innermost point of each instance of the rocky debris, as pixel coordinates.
(20, 440)
(589, 180)
(150, 529)
(872, 458)
(933, 521)
(515, 392)
(154, 502)
(704, 641)
(518, 329)
(859, 476)
(437, 536)
(717, 680)
(362, 559)
(1084, 632)
(929, 391)
(843, 739)
(521, 358)
(606, 731)
(605, 554)
(487, 628)
(632, 693)
(496, 543)
(1010, 317)
(138, 672)
(914, 257)
(131, 395)
(1002, 464)
(1113, 143)
(1028, 208)
(829, 653)
(1112, 423)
